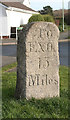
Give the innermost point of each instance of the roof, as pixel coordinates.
(17, 5)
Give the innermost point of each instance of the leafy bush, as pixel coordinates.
(61, 21)
(36, 17)
(48, 18)
(61, 28)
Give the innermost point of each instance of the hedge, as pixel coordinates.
(38, 17)
(48, 18)
(35, 18)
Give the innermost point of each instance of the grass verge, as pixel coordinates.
(44, 108)
(8, 67)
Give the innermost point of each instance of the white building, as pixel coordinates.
(13, 14)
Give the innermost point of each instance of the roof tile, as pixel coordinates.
(17, 5)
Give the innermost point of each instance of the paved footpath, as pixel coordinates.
(10, 41)
(8, 60)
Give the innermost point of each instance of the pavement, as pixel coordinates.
(6, 60)
(64, 35)
(11, 41)
(64, 40)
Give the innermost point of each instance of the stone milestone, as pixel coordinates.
(38, 61)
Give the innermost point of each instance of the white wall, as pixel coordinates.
(3, 21)
(0, 19)
(17, 18)
(10, 18)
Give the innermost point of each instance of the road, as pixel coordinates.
(64, 53)
(9, 53)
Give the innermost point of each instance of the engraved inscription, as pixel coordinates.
(39, 47)
(43, 63)
(49, 34)
(44, 80)
(49, 47)
(39, 63)
(37, 79)
(31, 47)
(33, 80)
(42, 33)
(45, 33)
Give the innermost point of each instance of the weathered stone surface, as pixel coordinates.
(38, 61)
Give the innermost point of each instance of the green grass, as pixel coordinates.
(10, 66)
(44, 108)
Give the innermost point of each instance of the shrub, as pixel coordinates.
(48, 18)
(61, 21)
(60, 28)
(36, 17)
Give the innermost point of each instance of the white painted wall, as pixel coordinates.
(0, 20)
(3, 21)
(12, 18)
(18, 18)
(15, 19)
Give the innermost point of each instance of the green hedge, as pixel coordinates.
(48, 18)
(38, 17)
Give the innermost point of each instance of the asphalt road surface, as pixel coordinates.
(9, 53)
(64, 53)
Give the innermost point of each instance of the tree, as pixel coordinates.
(46, 10)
